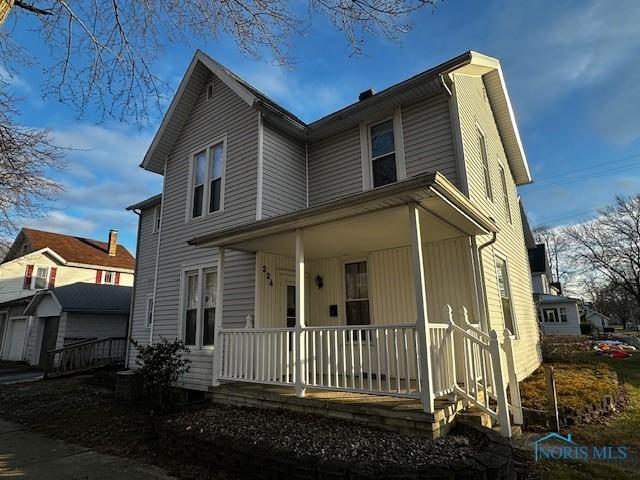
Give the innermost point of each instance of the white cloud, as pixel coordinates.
(103, 177)
(60, 222)
(307, 100)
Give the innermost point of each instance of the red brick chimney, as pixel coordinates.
(113, 242)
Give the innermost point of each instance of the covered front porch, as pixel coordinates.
(378, 293)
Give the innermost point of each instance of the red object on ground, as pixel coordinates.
(620, 354)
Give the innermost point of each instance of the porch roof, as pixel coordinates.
(367, 221)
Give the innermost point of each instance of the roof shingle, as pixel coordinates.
(80, 250)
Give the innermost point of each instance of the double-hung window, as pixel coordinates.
(156, 219)
(356, 293)
(207, 191)
(41, 278)
(505, 294)
(383, 154)
(199, 307)
(505, 193)
(482, 143)
(563, 314)
(550, 315)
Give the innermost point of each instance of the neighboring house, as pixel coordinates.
(77, 312)
(387, 211)
(39, 260)
(595, 318)
(557, 314)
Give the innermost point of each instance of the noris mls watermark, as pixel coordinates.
(557, 447)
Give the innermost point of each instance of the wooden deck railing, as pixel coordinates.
(86, 355)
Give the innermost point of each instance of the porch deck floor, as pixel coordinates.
(395, 413)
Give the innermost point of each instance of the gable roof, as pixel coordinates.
(78, 249)
(429, 81)
(146, 203)
(86, 298)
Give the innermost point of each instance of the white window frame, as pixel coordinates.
(3, 330)
(498, 255)
(505, 192)
(560, 315)
(149, 312)
(104, 277)
(156, 219)
(365, 147)
(199, 269)
(210, 90)
(35, 277)
(206, 195)
(484, 162)
(343, 277)
(556, 318)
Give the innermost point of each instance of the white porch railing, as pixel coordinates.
(380, 359)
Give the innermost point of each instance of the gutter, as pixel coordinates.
(133, 291)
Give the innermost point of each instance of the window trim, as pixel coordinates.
(365, 147)
(206, 195)
(200, 269)
(343, 278)
(555, 313)
(147, 322)
(499, 255)
(505, 192)
(484, 162)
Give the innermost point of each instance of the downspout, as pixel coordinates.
(133, 291)
(482, 286)
(155, 282)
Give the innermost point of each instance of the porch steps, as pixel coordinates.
(402, 415)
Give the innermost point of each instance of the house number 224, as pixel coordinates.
(267, 275)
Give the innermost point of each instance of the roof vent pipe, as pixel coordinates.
(366, 94)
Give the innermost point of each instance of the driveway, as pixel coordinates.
(16, 372)
(25, 454)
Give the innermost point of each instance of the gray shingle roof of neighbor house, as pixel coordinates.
(420, 85)
(87, 298)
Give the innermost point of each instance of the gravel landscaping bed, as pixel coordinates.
(323, 438)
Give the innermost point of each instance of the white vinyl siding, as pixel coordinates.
(474, 111)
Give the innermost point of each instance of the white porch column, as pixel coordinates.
(422, 320)
(217, 346)
(300, 314)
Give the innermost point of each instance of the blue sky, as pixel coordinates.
(571, 68)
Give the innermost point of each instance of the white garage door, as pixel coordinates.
(18, 332)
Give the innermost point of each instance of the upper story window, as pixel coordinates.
(36, 277)
(482, 141)
(382, 150)
(383, 154)
(42, 275)
(207, 185)
(505, 193)
(109, 277)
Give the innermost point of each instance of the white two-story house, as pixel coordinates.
(376, 250)
(40, 260)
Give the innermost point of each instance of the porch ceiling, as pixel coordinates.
(374, 220)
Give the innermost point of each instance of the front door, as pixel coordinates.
(49, 339)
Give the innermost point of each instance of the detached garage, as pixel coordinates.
(74, 313)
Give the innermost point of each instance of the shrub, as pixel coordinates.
(161, 365)
(586, 328)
